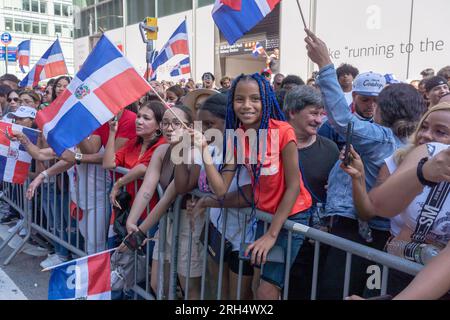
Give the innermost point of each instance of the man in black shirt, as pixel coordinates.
(317, 156)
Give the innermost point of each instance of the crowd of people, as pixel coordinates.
(293, 169)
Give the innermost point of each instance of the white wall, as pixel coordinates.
(343, 25)
(293, 58)
(350, 24)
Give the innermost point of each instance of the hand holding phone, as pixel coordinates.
(135, 240)
(348, 142)
(276, 254)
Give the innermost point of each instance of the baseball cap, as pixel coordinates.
(434, 82)
(369, 84)
(24, 112)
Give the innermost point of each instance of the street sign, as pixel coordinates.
(12, 54)
(6, 38)
(152, 28)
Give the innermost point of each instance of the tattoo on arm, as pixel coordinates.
(147, 195)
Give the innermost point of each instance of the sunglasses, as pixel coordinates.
(12, 99)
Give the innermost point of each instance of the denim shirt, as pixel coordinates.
(373, 142)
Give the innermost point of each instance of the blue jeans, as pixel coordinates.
(56, 211)
(274, 272)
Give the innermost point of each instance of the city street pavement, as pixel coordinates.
(22, 278)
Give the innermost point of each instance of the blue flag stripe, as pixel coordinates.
(71, 122)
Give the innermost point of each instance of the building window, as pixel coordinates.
(168, 7)
(138, 10)
(202, 3)
(57, 9)
(8, 24)
(27, 26)
(44, 28)
(35, 6)
(110, 15)
(65, 10)
(35, 26)
(43, 7)
(58, 29)
(26, 5)
(18, 27)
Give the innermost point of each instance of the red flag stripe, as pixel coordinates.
(129, 83)
(99, 274)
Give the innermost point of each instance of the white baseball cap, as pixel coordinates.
(24, 112)
(369, 84)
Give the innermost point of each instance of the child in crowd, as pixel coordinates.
(277, 187)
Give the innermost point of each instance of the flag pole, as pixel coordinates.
(191, 65)
(192, 58)
(169, 108)
(301, 13)
(71, 261)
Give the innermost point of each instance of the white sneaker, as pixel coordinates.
(23, 232)
(51, 261)
(16, 227)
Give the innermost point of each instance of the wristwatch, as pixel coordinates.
(78, 157)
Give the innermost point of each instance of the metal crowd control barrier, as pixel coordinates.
(351, 248)
(45, 216)
(14, 195)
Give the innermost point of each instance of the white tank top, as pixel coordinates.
(440, 231)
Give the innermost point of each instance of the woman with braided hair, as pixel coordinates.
(277, 187)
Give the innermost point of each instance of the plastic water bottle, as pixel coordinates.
(317, 216)
(422, 253)
(364, 231)
(316, 219)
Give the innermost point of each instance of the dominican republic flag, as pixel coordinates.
(87, 278)
(182, 67)
(23, 54)
(177, 44)
(257, 49)
(50, 65)
(105, 84)
(234, 18)
(14, 158)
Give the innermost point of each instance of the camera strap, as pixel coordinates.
(428, 214)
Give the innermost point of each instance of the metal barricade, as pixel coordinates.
(351, 248)
(51, 203)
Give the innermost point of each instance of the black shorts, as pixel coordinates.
(233, 264)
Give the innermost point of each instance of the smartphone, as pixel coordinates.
(134, 241)
(276, 254)
(382, 297)
(348, 142)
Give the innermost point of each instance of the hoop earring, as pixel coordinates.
(158, 132)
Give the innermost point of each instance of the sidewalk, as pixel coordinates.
(22, 279)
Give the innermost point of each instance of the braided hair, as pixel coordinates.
(270, 110)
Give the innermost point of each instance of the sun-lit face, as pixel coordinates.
(146, 123)
(27, 100)
(435, 94)
(435, 128)
(170, 123)
(13, 101)
(308, 120)
(171, 97)
(247, 103)
(61, 86)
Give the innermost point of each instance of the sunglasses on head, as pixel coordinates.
(12, 99)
